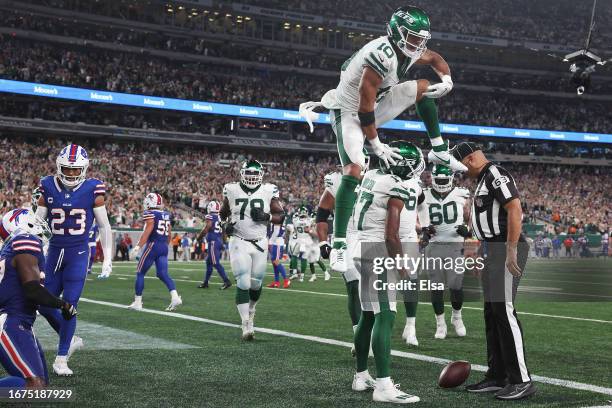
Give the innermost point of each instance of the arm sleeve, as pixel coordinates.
(106, 235)
(39, 295)
(41, 212)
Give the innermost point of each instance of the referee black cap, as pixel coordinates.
(464, 149)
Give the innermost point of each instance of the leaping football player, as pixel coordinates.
(213, 232)
(154, 243)
(248, 207)
(370, 94)
(70, 202)
(449, 210)
(21, 262)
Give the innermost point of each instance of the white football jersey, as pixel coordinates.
(379, 55)
(370, 212)
(408, 217)
(332, 182)
(242, 200)
(446, 213)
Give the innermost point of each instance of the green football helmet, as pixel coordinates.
(251, 173)
(442, 178)
(411, 164)
(409, 30)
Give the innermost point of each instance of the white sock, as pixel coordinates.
(384, 382)
(440, 319)
(252, 304)
(456, 314)
(436, 141)
(410, 321)
(174, 294)
(61, 359)
(243, 310)
(355, 328)
(138, 298)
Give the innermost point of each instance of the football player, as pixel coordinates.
(154, 242)
(213, 233)
(276, 237)
(382, 196)
(313, 254)
(70, 202)
(93, 241)
(299, 231)
(21, 262)
(372, 91)
(448, 210)
(248, 207)
(11, 220)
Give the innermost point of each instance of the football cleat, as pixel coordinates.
(293, 276)
(441, 331)
(457, 322)
(327, 276)
(409, 335)
(312, 278)
(337, 259)
(136, 305)
(60, 366)
(174, 303)
(226, 285)
(301, 277)
(203, 285)
(274, 284)
(286, 283)
(389, 392)
(363, 382)
(75, 344)
(444, 157)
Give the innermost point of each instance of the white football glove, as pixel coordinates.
(134, 252)
(440, 89)
(306, 111)
(107, 268)
(384, 152)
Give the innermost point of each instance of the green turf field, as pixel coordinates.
(194, 357)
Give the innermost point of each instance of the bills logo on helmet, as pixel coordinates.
(213, 207)
(153, 200)
(11, 220)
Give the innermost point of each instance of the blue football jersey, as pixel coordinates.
(12, 298)
(70, 212)
(215, 232)
(161, 225)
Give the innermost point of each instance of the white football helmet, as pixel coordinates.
(72, 157)
(213, 207)
(153, 201)
(442, 178)
(10, 221)
(30, 223)
(251, 173)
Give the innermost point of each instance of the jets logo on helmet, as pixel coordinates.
(411, 164)
(409, 30)
(251, 174)
(72, 164)
(442, 178)
(153, 200)
(213, 207)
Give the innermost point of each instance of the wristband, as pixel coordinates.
(323, 243)
(366, 118)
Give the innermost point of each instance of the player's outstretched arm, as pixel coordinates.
(41, 209)
(106, 235)
(29, 275)
(440, 67)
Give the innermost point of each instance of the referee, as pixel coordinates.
(496, 218)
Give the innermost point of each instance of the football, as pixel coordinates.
(454, 374)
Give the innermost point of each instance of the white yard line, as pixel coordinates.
(312, 292)
(442, 361)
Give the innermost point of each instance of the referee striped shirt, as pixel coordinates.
(496, 187)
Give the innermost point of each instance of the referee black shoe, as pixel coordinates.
(486, 385)
(516, 391)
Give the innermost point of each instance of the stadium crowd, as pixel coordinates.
(188, 177)
(562, 22)
(131, 73)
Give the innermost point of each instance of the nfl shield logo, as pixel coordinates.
(67, 195)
